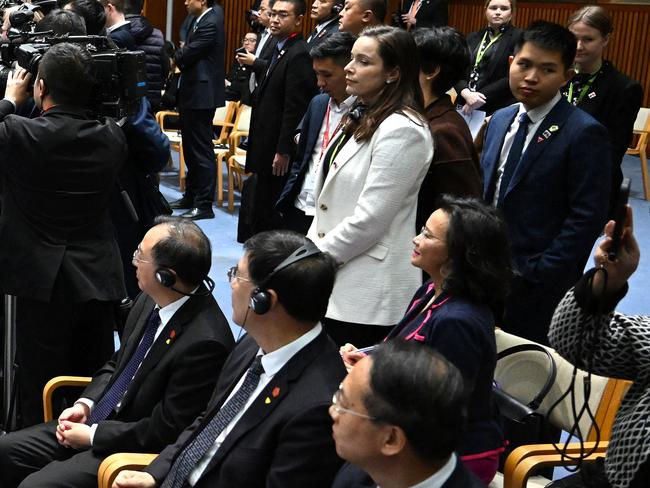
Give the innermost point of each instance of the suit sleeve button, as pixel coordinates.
(323, 207)
(321, 234)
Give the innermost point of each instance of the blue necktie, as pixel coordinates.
(115, 393)
(514, 156)
(196, 449)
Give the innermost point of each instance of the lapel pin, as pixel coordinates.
(276, 392)
(540, 139)
(172, 334)
(546, 134)
(334, 164)
(267, 401)
(592, 95)
(553, 128)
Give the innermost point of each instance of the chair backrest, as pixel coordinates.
(223, 118)
(642, 122)
(243, 118)
(523, 374)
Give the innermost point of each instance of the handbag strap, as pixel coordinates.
(550, 379)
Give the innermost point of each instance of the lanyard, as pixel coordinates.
(483, 47)
(326, 135)
(583, 92)
(341, 141)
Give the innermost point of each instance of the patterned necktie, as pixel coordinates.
(196, 449)
(514, 156)
(116, 392)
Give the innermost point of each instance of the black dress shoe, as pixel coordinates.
(182, 204)
(198, 213)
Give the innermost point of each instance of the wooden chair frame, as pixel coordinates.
(59, 382)
(640, 150)
(240, 129)
(115, 463)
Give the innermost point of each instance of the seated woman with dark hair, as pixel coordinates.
(464, 248)
(455, 170)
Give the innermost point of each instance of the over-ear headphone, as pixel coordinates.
(260, 301)
(357, 112)
(167, 278)
(337, 9)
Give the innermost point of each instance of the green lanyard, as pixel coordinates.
(483, 48)
(583, 92)
(336, 148)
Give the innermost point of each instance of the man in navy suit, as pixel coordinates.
(117, 27)
(201, 91)
(267, 422)
(546, 165)
(321, 122)
(326, 14)
(398, 417)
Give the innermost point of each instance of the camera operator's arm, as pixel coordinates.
(16, 91)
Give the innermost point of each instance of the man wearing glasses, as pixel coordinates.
(280, 101)
(267, 423)
(397, 418)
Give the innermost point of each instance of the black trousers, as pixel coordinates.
(296, 220)
(196, 130)
(32, 458)
(360, 335)
(55, 339)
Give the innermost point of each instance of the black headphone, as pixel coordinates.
(357, 112)
(167, 278)
(260, 301)
(337, 9)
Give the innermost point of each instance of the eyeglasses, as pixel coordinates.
(426, 233)
(136, 258)
(280, 15)
(249, 39)
(232, 275)
(339, 409)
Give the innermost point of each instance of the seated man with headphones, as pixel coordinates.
(175, 342)
(267, 423)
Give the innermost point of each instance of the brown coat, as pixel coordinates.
(455, 168)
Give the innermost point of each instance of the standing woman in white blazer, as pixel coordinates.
(369, 176)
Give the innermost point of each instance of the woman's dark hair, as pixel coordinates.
(444, 48)
(480, 265)
(397, 49)
(418, 390)
(186, 250)
(304, 287)
(594, 16)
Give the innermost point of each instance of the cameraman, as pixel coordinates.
(57, 251)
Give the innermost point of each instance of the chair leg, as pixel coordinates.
(644, 173)
(219, 180)
(181, 169)
(231, 189)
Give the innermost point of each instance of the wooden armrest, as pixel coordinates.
(113, 464)
(160, 117)
(54, 384)
(235, 139)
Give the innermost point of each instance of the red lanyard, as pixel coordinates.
(326, 136)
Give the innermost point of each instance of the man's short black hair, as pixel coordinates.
(378, 8)
(303, 288)
(337, 46)
(299, 6)
(117, 4)
(413, 387)
(550, 37)
(62, 22)
(444, 48)
(186, 250)
(133, 7)
(68, 73)
(93, 13)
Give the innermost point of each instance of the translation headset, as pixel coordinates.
(337, 9)
(260, 301)
(167, 278)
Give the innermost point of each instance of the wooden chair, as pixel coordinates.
(641, 129)
(240, 127)
(175, 142)
(55, 383)
(236, 168)
(515, 373)
(115, 463)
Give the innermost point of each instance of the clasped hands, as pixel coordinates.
(71, 429)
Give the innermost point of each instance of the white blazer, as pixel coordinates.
(365, 218)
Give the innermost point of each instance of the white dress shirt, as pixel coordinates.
(536, 116)
(272, 362)
(306, 200)
(440, 477)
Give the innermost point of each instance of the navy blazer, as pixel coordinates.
(309, 129)
(201, 61)
(556, 202)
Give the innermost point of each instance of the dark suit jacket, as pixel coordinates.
(283, 443)
(281, 97)
(615, 102)
(331, 28)
(123, 37)
(174, 382)
(455, 167)
(309, 128)
(432, 13)
(493, 82)
(556, 203)
(201, 61)
(350, 476)
(56, 238)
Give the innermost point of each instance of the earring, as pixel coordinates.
(388, 82)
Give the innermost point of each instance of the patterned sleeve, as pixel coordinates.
(613, 345)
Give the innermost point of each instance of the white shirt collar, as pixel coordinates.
(440, 477)
(345, 104)
(538, 113)
(320, 27)
(167, 312)
(117, 26)
(201, 16)
(274, 361)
